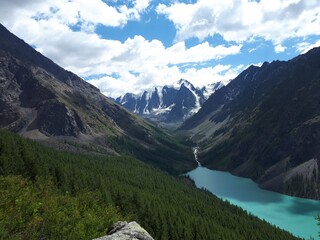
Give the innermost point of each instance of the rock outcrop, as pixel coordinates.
(126, 231)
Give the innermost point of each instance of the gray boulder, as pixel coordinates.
(126, 231)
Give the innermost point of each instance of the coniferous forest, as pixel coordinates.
(48, 194)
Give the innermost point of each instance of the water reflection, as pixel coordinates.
(296, 215)
(227, 186)
(303, 206)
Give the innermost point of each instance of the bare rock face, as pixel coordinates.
(126, 231)
(54, 118)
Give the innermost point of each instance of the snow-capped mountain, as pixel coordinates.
(168, 104)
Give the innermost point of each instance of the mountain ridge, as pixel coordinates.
(267, 115)
(21, 50)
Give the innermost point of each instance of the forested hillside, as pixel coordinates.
(47, 194)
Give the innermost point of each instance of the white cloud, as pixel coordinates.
(135, 83)
(306, 46)
(279, 48)
(137, 63)
(204, 76)
(87, 54)
(275, 20)
(155, 65)
(83, 13)
(165, 76)
(200, 53)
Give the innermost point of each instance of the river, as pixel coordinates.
(296, 215)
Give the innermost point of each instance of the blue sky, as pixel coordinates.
(129, 46)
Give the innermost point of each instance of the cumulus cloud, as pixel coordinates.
(131, 65)
(165, 76)
(128, 81)
(64, 31)
(144, 64)
(274, 20)
(219, 73)
(82, 13)
(279, 48)
(200, 53)
(304, 47)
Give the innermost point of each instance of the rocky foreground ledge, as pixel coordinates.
(126, 231)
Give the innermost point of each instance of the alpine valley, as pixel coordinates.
(73, 162)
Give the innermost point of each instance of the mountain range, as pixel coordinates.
(265, 125)
(168, 106)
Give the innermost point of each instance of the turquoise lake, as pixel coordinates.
(293, 214)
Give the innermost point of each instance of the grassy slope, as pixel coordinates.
(52, 182)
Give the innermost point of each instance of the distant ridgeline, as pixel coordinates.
(265, 124)
(50, 194)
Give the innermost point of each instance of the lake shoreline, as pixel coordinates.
(271, 206)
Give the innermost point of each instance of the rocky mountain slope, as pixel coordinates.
(168, 105)
(41, 100)
(265, 125)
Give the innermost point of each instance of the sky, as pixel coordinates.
(129, 46)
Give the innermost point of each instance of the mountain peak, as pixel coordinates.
(169, 104)
(184, 81)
